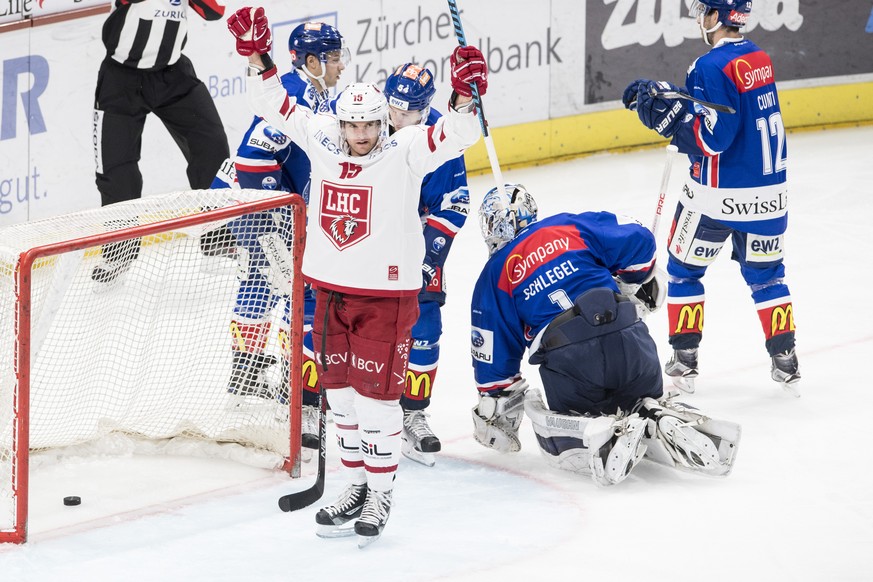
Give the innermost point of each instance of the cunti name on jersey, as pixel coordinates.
(750, 72)
(543, 248)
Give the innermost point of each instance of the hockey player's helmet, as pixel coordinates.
(733, 13)
(411, 88)
(501, 219)
(363, 102)
(316, 38)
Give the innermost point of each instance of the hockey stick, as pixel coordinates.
(305, 498)
(662, 194)
(682, 95)
(477, 100)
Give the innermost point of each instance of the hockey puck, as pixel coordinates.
(72, 500)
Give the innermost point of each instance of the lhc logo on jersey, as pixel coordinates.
(345, 213)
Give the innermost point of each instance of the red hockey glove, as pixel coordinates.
(468, 66)
(252, 31)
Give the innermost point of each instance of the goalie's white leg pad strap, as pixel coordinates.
(614, 460)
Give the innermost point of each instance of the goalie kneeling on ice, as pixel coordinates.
(608, 447)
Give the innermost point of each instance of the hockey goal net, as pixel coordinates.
(117, 323)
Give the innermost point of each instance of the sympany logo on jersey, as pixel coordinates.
(538, 249)
(751, 71)
(482, 345)
(345, 213)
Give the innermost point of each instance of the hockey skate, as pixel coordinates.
(309, 430)
(117, 258)
(335, 521)
(418, 441)
(785, 370)
(682, 369)
(373, 518)
(247, 379)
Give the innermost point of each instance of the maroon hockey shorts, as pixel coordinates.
(367, 342)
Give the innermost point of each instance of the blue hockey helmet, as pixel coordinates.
(315, 38)
(500, 218)
(410, 88)
(732, 13)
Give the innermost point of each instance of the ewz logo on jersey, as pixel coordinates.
(345, 213)
(275, 135)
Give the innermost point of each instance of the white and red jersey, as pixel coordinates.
(363, 233)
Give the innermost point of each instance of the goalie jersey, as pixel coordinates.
(738, 161)
(539, 274)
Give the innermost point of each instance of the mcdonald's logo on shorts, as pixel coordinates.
(777, 320)
(418, 385)
(686, 318)
(310, 374)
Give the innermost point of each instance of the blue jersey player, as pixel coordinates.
(443, 207)
(267, 159)
(736, 187)
(551, 287)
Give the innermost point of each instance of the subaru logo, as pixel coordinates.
(462, 197)
(477, 339)
(275, 135)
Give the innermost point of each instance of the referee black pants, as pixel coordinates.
(181, 101)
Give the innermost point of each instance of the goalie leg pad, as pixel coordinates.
(622, 447)
(496, 419)
(681, 437)
(559, 436)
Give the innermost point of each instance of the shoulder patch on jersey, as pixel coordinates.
(275, 135)
(541, 247)
(482, 345)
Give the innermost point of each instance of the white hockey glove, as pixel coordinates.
(496, 419)
(647, 297)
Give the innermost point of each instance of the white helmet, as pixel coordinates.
(363, 102)
(501, 219)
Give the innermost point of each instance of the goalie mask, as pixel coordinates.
(731, 13)
(362, 102)
(410, 88)
(499, 221)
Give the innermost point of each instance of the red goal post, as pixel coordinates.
(146, 355)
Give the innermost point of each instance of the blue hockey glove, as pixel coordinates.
(629, 97)
(660, 113)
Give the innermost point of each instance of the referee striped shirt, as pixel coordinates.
(150, 34)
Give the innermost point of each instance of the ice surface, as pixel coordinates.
(798, 505)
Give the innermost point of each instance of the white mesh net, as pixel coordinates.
(177, 335)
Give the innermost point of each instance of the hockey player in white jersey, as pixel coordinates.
(364, 252)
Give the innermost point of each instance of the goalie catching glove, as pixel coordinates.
(497, 418)
(648, 296)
